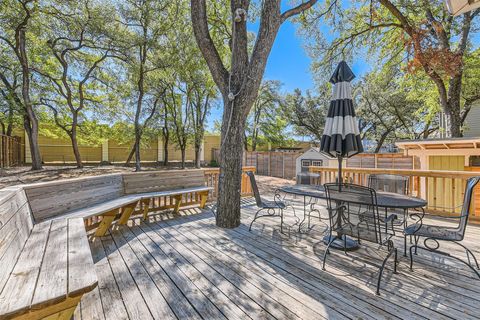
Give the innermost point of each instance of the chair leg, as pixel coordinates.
(393, 250)
(411, 256)
(327, 251)
(254, 218)
(395, 262)
(416, 238)
(281, 220)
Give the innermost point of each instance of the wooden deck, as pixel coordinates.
(186, 268)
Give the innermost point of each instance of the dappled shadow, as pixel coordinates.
(186, 267)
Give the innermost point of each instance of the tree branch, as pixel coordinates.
(298, 9)
(207, 47)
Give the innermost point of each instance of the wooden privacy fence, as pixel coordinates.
(383, 160)
(10, 151)
(444, 190)
(269, 163)
(211, 180)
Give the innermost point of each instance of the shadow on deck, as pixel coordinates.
(187, 268)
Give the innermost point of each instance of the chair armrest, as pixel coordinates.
(391, 217)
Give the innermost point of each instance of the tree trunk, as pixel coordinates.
(231, 152)
(182, 151)
(130, 156)
(381, 141)
(197, 155)
(76, 151)
(166, 138)
(30, 119)
(137, 150)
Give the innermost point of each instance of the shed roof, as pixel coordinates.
(439, 144)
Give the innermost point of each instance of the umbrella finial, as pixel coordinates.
(342, 73)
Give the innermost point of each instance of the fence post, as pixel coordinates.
(105, 151)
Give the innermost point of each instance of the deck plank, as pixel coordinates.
(190, 286)
(175, 298)
(154, 299)
(237, 274)
(134, 301)
(111, 300)
(278, 304)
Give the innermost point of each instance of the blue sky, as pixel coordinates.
(289, 63)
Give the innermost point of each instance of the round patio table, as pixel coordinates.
(387, 200)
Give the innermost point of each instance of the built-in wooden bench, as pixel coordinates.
(45, 260)
(117, 195)
(45, 267)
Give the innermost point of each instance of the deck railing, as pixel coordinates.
(444, 190)
(211, 180)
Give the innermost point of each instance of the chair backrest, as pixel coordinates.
(389, 183)
(361, 218)
(153, 181)
(256, 193)
(467, 201)
(49, 199)
(15, 226)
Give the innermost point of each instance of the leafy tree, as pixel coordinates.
(266, 120)
(238, 85)
(422, 33)
(16, 19)
(146, 25)
(308, 112)
(78, 45)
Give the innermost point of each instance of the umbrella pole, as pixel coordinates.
(340, 180)
(340, 241)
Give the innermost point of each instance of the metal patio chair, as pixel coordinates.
(433, 233)
(270, 206)
(347, 205)
(389, 183)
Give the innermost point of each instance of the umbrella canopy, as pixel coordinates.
(457, 7)
(341, 136)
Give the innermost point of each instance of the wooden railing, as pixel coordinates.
(211, 180)
(444, 190)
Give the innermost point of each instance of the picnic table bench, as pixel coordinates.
(45, 258)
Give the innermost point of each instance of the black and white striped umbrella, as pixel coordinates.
(341, 136)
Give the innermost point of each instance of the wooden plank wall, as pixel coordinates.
(15, 226)
(10, 151)
(162, 180)
(49, 199)
(272, 163)
(383, 161)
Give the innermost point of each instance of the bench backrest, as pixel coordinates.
(162, 180)
(15, 226)
(49, 199)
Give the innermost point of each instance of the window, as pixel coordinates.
(317, 163)
(305, 163)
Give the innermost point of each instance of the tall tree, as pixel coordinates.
(308, 112)
(423, 33)
(203, 96)
(180, 104)
(16, 19)
(147, 23)
(266, 121)
(238, 86)
(79, 45)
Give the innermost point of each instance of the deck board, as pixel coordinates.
(185, 267)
